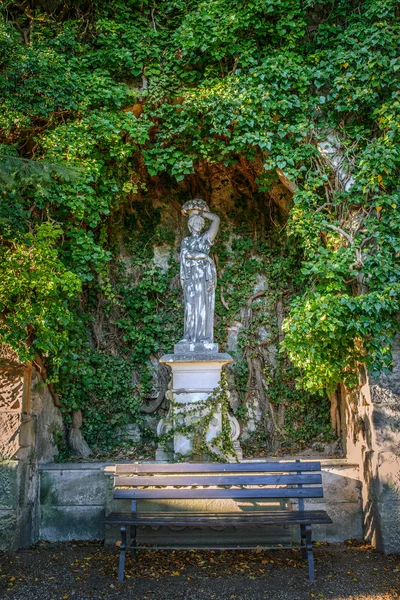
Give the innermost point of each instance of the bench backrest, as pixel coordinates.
(219, 480)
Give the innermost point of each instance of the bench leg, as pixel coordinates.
(122, 552)
(310, 555)
(303, 542)
(133, 542)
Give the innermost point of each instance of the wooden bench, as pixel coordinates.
(268, 480)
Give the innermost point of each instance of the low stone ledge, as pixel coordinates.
(75, 466)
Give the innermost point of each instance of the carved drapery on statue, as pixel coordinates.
(199, 278)
(198, 274)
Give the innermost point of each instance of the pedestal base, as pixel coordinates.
(196, 347)
(195, 375)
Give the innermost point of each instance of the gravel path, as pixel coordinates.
(82, 570)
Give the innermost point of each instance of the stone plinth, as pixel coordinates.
(195, 347)
(196, 372)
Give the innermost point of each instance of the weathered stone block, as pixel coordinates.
(26, 532)
(8, 484)
(342, 501)
(347, 522)
(388, 538)
(382, 467)
(48, 419)
(386, 423)
(389, 477)
(8, 525)
(18, 498)
(64, 523)
(341, 485)
(72, 487)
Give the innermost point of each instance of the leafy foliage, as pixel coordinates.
(36, 290)
(140, 100)
(99, 385)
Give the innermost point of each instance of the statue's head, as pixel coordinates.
(193, 209)
(195, 222)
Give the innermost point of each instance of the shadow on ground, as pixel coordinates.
(83, 570)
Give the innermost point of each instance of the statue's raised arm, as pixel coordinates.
(212, 232)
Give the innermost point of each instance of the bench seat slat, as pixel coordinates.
(264, 467)
(235, 519)
(139, 480)
(220, 493)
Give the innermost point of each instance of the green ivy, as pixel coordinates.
(136, 101)
(102, 386)
(37, 293)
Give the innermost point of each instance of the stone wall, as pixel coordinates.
(28, 419)
(382, 460)
(74, 499)
(371, 434)
(14, 400)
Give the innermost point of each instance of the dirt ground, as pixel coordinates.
(83, 570)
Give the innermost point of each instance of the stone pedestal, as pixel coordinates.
(196, 372)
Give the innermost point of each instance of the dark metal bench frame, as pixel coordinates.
(278, 480)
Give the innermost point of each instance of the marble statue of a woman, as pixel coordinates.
(198, 273)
